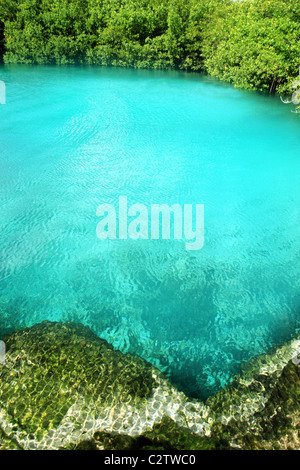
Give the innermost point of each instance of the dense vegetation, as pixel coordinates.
(254, 44)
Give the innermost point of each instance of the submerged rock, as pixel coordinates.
(62, 387)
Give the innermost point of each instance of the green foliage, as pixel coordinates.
(254, 44)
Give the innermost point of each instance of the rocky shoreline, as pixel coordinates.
(62, 387)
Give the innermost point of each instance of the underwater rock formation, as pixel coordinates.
(62, 387)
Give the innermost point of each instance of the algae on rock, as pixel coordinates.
(62, 387)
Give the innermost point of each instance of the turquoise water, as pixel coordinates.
(73, 138)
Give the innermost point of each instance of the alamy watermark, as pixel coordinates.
(2, 352)
(296, 356)
(295, 99)
(154, 222)
(2, 92)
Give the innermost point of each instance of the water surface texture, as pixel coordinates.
(73, 138)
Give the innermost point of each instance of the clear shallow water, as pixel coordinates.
(73, 138)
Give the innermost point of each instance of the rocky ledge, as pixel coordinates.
(62, 387)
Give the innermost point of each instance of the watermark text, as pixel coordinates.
(2, 92)
(159, 221)
(2, 352)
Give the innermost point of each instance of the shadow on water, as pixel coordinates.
(164, 308)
